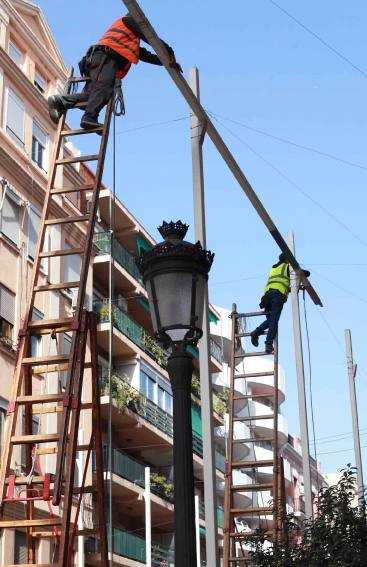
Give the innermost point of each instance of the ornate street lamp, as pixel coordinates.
(175, 273)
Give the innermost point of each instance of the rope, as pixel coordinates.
(119, 104)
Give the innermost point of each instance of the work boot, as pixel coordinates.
(255, 338)
(55, 108)
(88, 123)
(269, 349)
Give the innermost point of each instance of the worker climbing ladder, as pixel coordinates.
(57, 496)
(266, 495)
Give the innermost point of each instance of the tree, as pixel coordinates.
(337, 537)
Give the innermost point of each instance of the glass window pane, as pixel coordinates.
(151, 388)
(40, 82)
(143, 383)
(39, 133)
(161, 398)
(72, 266)
(34, 221)
(10, 219)
(15, 53)
(169, 403)
(15, 118)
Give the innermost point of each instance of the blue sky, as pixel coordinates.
(259, 70)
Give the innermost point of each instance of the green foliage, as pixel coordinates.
(160, 482)
(104, 313)
(220, 406)
(149, 344)
(337, 537)
(122, 393)
(195, 386)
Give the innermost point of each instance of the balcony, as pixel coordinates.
(133, 546)
(215, 351)
(151, 412)
(102, 241)
(132, 330)
(220, 514)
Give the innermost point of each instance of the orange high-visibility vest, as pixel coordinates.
(121, 39)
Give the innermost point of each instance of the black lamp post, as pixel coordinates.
(175, 273)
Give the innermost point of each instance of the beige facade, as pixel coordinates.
(140, 400)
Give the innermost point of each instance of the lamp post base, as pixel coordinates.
(180, 368)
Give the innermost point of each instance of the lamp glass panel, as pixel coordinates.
(199, 302)
(174, 292)
(152, 306)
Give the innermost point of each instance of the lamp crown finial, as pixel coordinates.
(173, 230)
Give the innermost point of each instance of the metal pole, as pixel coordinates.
(352, 371)
(80, 468)
(180, 369)
(148, 519)
(211, 524)
(197, 526)
(302, 404)
(139, 16)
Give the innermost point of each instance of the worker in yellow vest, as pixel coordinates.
(275, 295)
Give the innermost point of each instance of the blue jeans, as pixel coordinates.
(276, 302)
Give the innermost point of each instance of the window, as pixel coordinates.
(66, 344)
(164, 400)
(3, 406)
(7, 314)
(39, 142)
(34, 221)
(10, 216)
(15, 53)
(36, 340)
(15, 119)
(72, 266)
(40, 82)
(20, 548)
(147, 386)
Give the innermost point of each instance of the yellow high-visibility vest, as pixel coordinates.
(279, 279)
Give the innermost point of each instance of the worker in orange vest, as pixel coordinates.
(113, 56)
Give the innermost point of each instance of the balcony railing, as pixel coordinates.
(102, 240)
(215, 350)
(159, 418)
(133, 546)
(131, 329)
(127, 467)
(220, 514)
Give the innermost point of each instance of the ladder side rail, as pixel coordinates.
(28, 430)
(228, 478)
(275, 442)
(25, 340)
(70, 457)
(98, 446)
(62, 445)
(195, 105)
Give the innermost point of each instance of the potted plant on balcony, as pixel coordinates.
(195, 386)
(152, 347)
(124, 395)
(162, 484)
(104, 313)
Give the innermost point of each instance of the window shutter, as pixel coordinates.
(20, 548)
(7, 305)
(34, 221)
(15, 118)
(10, 218)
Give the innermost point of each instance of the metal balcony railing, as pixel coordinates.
(220, 513)
(102, 240)
(215, 350)
(131, 329)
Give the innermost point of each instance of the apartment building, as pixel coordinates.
(136, 394)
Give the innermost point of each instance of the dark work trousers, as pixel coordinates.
(99, 90)
(275, 306)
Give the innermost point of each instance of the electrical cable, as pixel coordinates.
(294, 144)
(291, 182)
(310, 375)
(320, 39)
(152, 125)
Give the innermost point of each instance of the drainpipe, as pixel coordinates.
(148, 519)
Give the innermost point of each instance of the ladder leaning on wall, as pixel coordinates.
(261, 510)
(47, 504)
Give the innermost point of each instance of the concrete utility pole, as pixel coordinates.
(352, 371)
(148, 519)
(302, 404)
(211, 524)
(197, 527)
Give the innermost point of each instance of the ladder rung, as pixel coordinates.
(50, 324)
(58, 191)
(65, 133)
(252, 396)
(30, 523)
(79, 80)
(32, 439)
(247, 354)
(66, 220)
(254, 417)
(33, 480)
(77, 159)
(241, 335)
(252, 314)
(55, 368)
(40, 399)
(63, 285)
(253, 440)
(263, 510)
(254, 375)
(238, 559)
(40, 410)
(65, 252)
(27, 564)
(50, 359)
(241, 535)
(252, 487)
(252, 464)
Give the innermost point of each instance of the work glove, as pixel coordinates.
(174, 64)
(306, 273)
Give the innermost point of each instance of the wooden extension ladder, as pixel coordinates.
(56, 488)
(269, 512)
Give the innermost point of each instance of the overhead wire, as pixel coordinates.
(320, 39)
